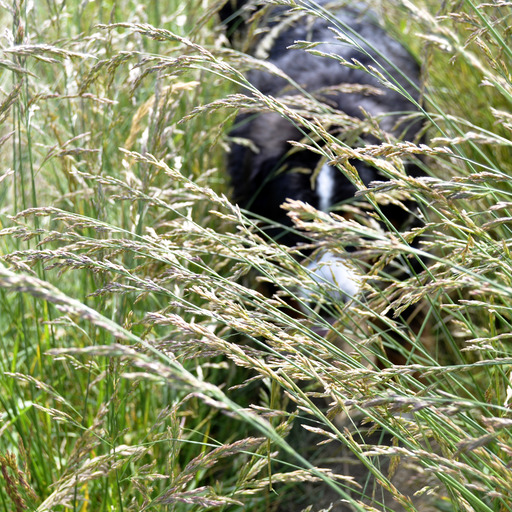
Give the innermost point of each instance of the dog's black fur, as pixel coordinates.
(263, 179)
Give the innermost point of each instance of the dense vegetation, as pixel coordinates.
(143, 368)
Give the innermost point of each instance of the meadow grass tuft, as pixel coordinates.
(142, 365)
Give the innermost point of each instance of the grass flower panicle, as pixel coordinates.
(160, 352)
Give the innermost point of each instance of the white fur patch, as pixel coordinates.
(340, 282)
(325, 187)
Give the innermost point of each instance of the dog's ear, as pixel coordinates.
(231, 16)
(235, 14)
(260, 145)
(240, 166)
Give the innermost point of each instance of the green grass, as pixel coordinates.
(141, 368)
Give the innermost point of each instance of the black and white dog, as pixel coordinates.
(268, 171)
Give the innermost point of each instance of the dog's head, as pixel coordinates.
(268, 167)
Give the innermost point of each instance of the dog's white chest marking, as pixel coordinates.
(325, 187)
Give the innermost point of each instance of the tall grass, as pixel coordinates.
(142, 366)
